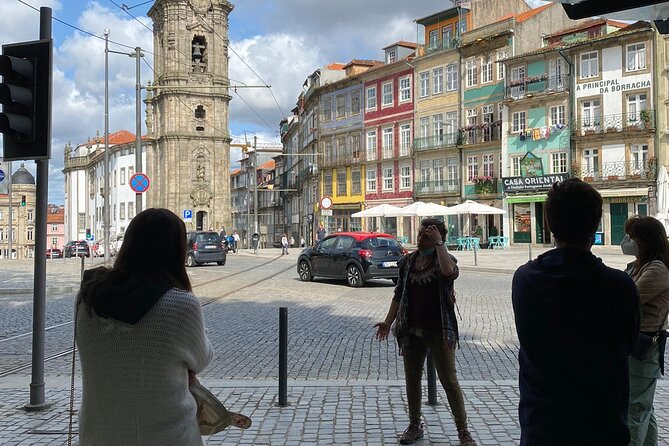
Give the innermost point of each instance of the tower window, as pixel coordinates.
(199, 54)
(200, 113)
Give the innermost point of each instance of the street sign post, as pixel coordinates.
(139, 183)
(188, 215)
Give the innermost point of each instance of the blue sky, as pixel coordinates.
(282, 40)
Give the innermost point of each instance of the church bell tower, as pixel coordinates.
(187, 111)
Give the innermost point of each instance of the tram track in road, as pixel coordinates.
(204, 303)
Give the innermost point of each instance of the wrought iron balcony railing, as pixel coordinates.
(439, 45)
(342, 159)
(480, 134)
(449, 186)
(528, 87)
(645, 170)
(619, 122)
(447, 140)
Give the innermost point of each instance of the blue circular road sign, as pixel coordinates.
(2, 175)
(139, 182)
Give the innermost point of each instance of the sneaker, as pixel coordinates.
(465, 438)
(412, 433)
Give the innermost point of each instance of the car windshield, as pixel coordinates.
(209, 237)
(381, 242)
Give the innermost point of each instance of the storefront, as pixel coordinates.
(524, 202)
(619, 205)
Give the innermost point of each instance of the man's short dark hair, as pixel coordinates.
(438, 223)
(573, 211)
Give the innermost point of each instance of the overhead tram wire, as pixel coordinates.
(139, 4)
(255, 112)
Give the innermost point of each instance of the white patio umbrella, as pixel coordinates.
(662, 197)
(382, 210)
(421, 209)
(472, 207)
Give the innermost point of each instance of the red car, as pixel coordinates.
(54, 253)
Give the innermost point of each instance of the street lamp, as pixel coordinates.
(106, 158)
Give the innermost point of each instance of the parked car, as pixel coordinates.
(54, 253)
(78, 248)
(354, 256)
(204, 247)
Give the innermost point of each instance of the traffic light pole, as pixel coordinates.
(37, 401)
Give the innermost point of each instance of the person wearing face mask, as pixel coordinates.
(646, 240)
(423, 313)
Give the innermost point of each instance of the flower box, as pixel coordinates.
(588, 179)
(612, 177)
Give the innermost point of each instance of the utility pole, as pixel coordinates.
(10, 211)
(107, 197)
(255, 185)
(138, 123)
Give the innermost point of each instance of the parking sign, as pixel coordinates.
(188, 215)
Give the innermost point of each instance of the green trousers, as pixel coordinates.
(444, 362)
(641, 414)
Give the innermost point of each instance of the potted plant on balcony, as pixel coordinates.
(484, 185)
(646, 117)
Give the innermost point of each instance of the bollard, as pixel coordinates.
(529, 249)
(431, 381)
(283, 356)
(82, 268)
(475, 260)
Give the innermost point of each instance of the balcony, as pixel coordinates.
(480, 133)
(619, 171)
(435, 142)
(644, 121)
(533, 86)
(451, 186)
(342, 159)
(435, 45)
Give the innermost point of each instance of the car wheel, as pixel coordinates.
(220, 263)
(394, 279)
(190, 261)
(304, 271)
(354, 276)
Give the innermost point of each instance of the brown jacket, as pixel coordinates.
(652, 281)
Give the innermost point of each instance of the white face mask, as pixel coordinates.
(629, 247)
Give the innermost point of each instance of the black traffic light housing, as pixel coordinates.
(23, 200)
(25, 95)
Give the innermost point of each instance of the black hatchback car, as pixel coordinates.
(77, 248)
(354, 256)
(205, 247)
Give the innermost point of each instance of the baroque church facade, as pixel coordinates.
(186, 151)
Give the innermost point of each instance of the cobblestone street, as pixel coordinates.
(344, 386)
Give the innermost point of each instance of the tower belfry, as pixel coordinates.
(187, 111)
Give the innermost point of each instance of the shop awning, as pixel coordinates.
(624, 192)
(526, 198)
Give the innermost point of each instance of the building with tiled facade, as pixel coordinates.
(22, 221)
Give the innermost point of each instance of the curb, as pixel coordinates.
(53, 290)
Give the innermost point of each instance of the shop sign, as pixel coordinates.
(531, 183)
(636, 199)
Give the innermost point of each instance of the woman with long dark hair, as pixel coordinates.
(141, 339)
(647, 240)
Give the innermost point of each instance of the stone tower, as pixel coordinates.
(187, 113)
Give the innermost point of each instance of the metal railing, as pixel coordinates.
(478, 135)
(530, 86)
(619, 122)
(618, 171)
(445, 140)
(449, 186)
(439, 45)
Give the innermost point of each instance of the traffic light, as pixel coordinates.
(25, 95)
(23, 200)
(88, 233)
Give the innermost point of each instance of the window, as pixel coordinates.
(591, 162)
(341, 149)
(447, 36)
(424, 127)
(438, 171)
(438, 127)
(636, 57)
(517, 78)
(451, 127)
(355, 147)
(424, 84)
(559, 162)
(341, 182)
(327, 109)
(438, 80)
(405, 89)
(472, 72)
(355, 102)
(370, 103)
(489, 165)
(452, 77)
(131, 209)
(591, 116)
(30, 233)
(556, 74)
(355, 181)
(486, 69)
(518, 122)
(500, 111)
(122, 175)
(452, 171)
(639, 158)
(636, 103)
(405, 177)
(425, 171)
(30, 215)
(328, 155)
(388, 142)
(371, 145)
(434, 39)
(131, 171)
(392, 56)
(501, 70)
(371, 180)
(122, 211)
(487, 113)
(405, 139)
(114, 178)
(341, 106)
(54, 241)
(387, 98)
(472, 168)
(327, 183)
(589, 65)
(387, 178)
(515, 166)
(462, 26)
(557, 115)
(54, 228)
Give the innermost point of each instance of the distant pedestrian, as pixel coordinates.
(236, 238)
(339, 229)
(423, 309)
(284, 245)
(646, 239)
(141, 339)
(302, 242)
(577, 320)
(223, 234)
(320, 233)
(292, 241)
